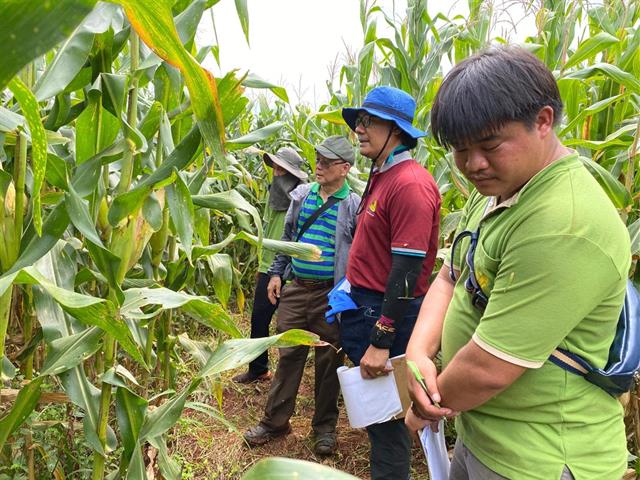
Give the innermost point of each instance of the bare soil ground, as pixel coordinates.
(210, 450)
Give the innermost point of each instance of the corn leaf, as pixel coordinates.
(136, 468)
(200, 308)
(237, 352)
(88, 310)
(612, 187)
(79, 215)
(69, 60)
(153, 21)
(161, 419)
(277, 468)
(591, 110)
(169, 469)
(35, 247)
(69, 351)
(243, 16)
(254, 81)
(127, 203)
(608, 70)
(590, 47)
(30, 109)
(332, 116)
(130, 412)
(634, 235)
(228, 201)
(30, 28)
(55, 326)
(305, 251)
(26, 401)
(200, 351)
(259, 135)
(222, 276)
(182, 212)
(620, 137)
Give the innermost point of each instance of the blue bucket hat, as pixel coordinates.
(388, 103)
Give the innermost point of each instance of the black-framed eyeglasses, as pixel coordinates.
(324, 163)
(478, 298)
(364, 120)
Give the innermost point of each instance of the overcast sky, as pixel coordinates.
(295, 42)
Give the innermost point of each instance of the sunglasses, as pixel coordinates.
(478, 298)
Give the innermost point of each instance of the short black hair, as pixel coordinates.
(487, 90)
(407, 140)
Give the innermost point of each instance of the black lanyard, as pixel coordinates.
(331, 201)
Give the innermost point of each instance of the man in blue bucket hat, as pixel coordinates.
(392, 256)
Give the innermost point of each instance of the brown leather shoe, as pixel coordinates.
(325, 443)
(250, 377)
(259, 435)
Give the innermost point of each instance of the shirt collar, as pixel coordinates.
(394, 159)
(492, 203)
(341, 194)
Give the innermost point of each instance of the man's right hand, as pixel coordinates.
(424, 413)
(273, 289)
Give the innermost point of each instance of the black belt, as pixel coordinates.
(312, 284)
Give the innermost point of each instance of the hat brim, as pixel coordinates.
(271, 159)
(326, 153)
(350, 115)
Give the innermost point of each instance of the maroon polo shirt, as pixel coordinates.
(401, 215)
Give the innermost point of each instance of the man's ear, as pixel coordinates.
(544, 120)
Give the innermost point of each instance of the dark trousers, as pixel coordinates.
(303, 307)
(390, 455)
(261, 315)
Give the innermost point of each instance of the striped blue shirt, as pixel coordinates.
(321, 233)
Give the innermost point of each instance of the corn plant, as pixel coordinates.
(115, 164)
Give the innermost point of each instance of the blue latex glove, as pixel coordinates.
(339, 300)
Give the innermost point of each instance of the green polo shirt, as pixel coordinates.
(553, 260)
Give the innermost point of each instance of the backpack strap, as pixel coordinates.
(331, 201)
(570, 361)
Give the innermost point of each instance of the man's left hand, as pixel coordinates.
(374, 362)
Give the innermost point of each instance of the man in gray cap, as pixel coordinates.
(287, 175)
(322, 213)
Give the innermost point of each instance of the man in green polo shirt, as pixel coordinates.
(541, 259)
(322, 213)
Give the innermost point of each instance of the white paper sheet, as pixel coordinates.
(435, 449)
(368, 401)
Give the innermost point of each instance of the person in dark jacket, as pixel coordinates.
(287, 175)
(304, 299)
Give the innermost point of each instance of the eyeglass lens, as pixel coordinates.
(364, 120)
(328, 163)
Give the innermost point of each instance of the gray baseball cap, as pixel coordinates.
(288, 159)
(336, 147)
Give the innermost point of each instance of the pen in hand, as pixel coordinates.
(420, 379)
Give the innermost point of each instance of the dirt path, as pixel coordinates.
(210, 450)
